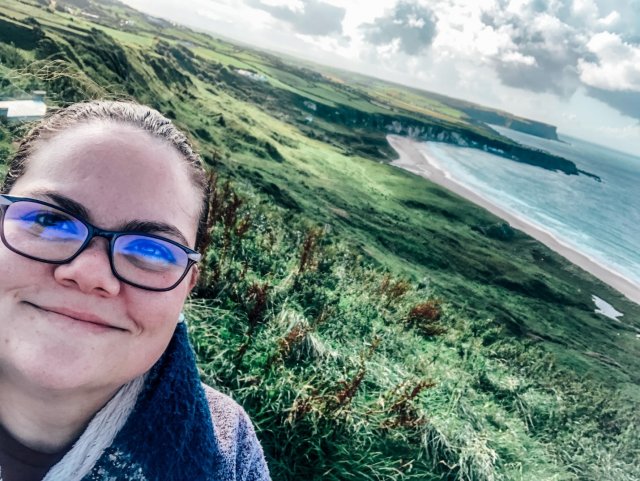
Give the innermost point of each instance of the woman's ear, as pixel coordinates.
(195, 275)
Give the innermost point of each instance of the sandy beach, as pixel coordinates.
(415, 160)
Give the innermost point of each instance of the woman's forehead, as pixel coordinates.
(116, 171)
(108, 136)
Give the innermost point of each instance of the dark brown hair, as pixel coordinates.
(128, 113)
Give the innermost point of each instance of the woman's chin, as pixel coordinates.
(51, 367)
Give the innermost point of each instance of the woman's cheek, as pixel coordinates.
(155, 311)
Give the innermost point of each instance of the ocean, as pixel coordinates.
(598, 219)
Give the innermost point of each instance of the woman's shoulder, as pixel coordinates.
(229, 418)
(236, 436)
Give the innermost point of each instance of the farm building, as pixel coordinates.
(24, 110)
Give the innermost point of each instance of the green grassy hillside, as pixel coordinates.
(374, 325)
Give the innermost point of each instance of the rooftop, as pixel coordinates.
(24, 108)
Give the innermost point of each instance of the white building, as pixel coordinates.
(24, 110)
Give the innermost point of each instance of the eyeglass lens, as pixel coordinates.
(148, 261)
(48, 234)
(41, 231)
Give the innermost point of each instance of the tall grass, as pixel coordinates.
(352, 373)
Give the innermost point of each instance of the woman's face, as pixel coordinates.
(75, 326)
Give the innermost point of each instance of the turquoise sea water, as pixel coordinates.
(598, 219)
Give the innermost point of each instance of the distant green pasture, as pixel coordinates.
(222, 58)
(127, 38)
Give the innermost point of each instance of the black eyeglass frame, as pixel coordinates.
(93, 231)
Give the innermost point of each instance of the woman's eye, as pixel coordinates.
(51, 221)
(150, 250)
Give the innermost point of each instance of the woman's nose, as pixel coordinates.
(91, 271)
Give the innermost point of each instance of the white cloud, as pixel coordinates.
(617, 66)
(409, 22)
(528, 56)
(626, 132)
(295, 5)
(585, 9)
(225, 13)
(517, 57)
(462, 34)
(610, 20)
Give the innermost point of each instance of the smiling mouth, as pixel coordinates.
(87, 319)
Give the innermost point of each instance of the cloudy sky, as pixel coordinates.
(571, 63)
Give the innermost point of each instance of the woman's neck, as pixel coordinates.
(45, 421)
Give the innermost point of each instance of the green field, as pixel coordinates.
(374, 325)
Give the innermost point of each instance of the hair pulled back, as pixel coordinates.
(127, 113)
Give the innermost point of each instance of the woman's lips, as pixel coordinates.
(89, 320)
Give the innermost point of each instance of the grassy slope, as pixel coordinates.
(520, 319)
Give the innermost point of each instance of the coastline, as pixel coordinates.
(412, 159)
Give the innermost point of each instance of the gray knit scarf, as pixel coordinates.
(157, 427)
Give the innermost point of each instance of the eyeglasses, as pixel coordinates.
(47, 233)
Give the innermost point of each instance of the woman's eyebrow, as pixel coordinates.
(66, 203)
(77, 209)
(152, 227)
